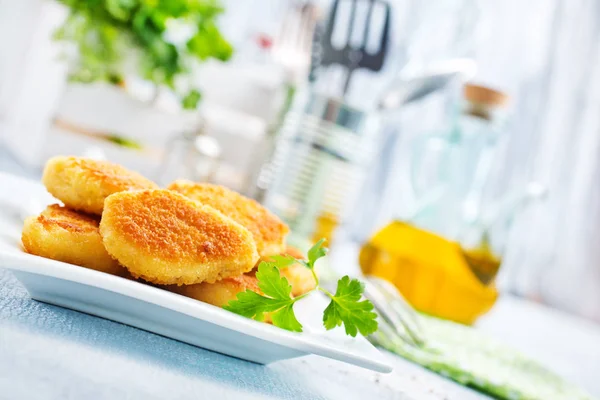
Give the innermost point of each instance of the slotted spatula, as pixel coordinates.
(351, 56)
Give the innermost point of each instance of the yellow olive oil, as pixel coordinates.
(435, 275)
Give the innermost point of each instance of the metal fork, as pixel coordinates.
(397, 319)
(292, 46)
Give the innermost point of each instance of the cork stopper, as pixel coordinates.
(483, 100)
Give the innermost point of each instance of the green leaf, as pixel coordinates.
(208, 42)
(286, 319)
(124, 142)
(277, 299)
(347, 309)
(253, 305)
(119, 9)
(247, 304)
(271, 283)
(283, 261)
(191, 100)
(316, 252)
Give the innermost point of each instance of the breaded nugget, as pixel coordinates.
(69, 236)
(219, 293)
(268, 230)
(163, 237)
(294, 252)
(300, 278)
(83, 183)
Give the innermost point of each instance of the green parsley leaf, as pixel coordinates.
(252, 305)
(283, 261)
(271, 283)
(346, 308)
(316, 252)
(285, 317)
(277, 299)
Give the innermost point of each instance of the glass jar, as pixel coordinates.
(319, 162)
(442, 256)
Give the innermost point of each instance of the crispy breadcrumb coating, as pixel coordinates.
(165, 238)
(268, 230)
(219, 293)
(69, 236)
(83, 183)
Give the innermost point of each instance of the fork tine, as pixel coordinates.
(282, 33)
(295, 28)
(388, 335)
(351, 23)
(331, 22)
(396, 298)
(367, 29)
(307, 23)
(398, 307)
(385, 38)
(394, 308)
(390, 315)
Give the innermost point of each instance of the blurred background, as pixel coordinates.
(453, 144)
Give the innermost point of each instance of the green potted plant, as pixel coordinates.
(161, 40)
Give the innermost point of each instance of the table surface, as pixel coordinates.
(48, 352)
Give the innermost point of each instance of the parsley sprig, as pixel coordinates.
(345, 308)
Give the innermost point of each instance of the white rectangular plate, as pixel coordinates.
(162, 312)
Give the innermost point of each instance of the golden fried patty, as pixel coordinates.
(268, 230)
(294, 252)
(300, 278)
(219, 293)
(69, 236)
(83, 183)
(166, 238)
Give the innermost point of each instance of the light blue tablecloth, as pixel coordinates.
(48, 352)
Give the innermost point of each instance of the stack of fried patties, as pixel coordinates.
(197, 239)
